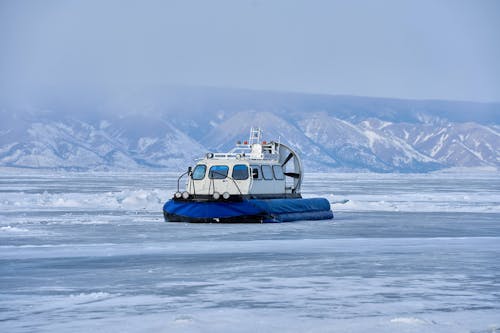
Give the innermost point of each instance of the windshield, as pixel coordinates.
(199, 172)
(218, 172)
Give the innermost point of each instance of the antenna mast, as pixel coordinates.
(255, 136)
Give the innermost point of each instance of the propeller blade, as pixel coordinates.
(287, 159)
(292, 174)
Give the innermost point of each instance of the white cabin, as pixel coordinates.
(254, 168)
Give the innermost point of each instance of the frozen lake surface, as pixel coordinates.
(83, 252)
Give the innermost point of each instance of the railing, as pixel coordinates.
(212, 183)
(179, 180)
(241, 156)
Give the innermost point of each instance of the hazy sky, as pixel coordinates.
(445, 49)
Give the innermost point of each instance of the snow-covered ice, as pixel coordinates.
(407, 253)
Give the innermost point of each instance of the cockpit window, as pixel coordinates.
(240, 172)
(199, 172)
(278, 172)
(218, 172)
(267, 172)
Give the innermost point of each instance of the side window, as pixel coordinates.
(240, 172)
(267, 172)
(256, 174)
(199, 172)
(278, 172)
(218, 172)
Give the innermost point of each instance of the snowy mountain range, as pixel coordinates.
(168, 127)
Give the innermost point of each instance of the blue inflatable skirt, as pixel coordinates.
(247, 210)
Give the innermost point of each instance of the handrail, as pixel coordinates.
(179, 180)
(193, 183)
(225, 176)
(235, 184)
(211, 183)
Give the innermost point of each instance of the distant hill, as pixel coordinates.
(167, 127)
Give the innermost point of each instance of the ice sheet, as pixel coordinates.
(408, 253)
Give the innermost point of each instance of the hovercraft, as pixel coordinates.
(255, 182)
